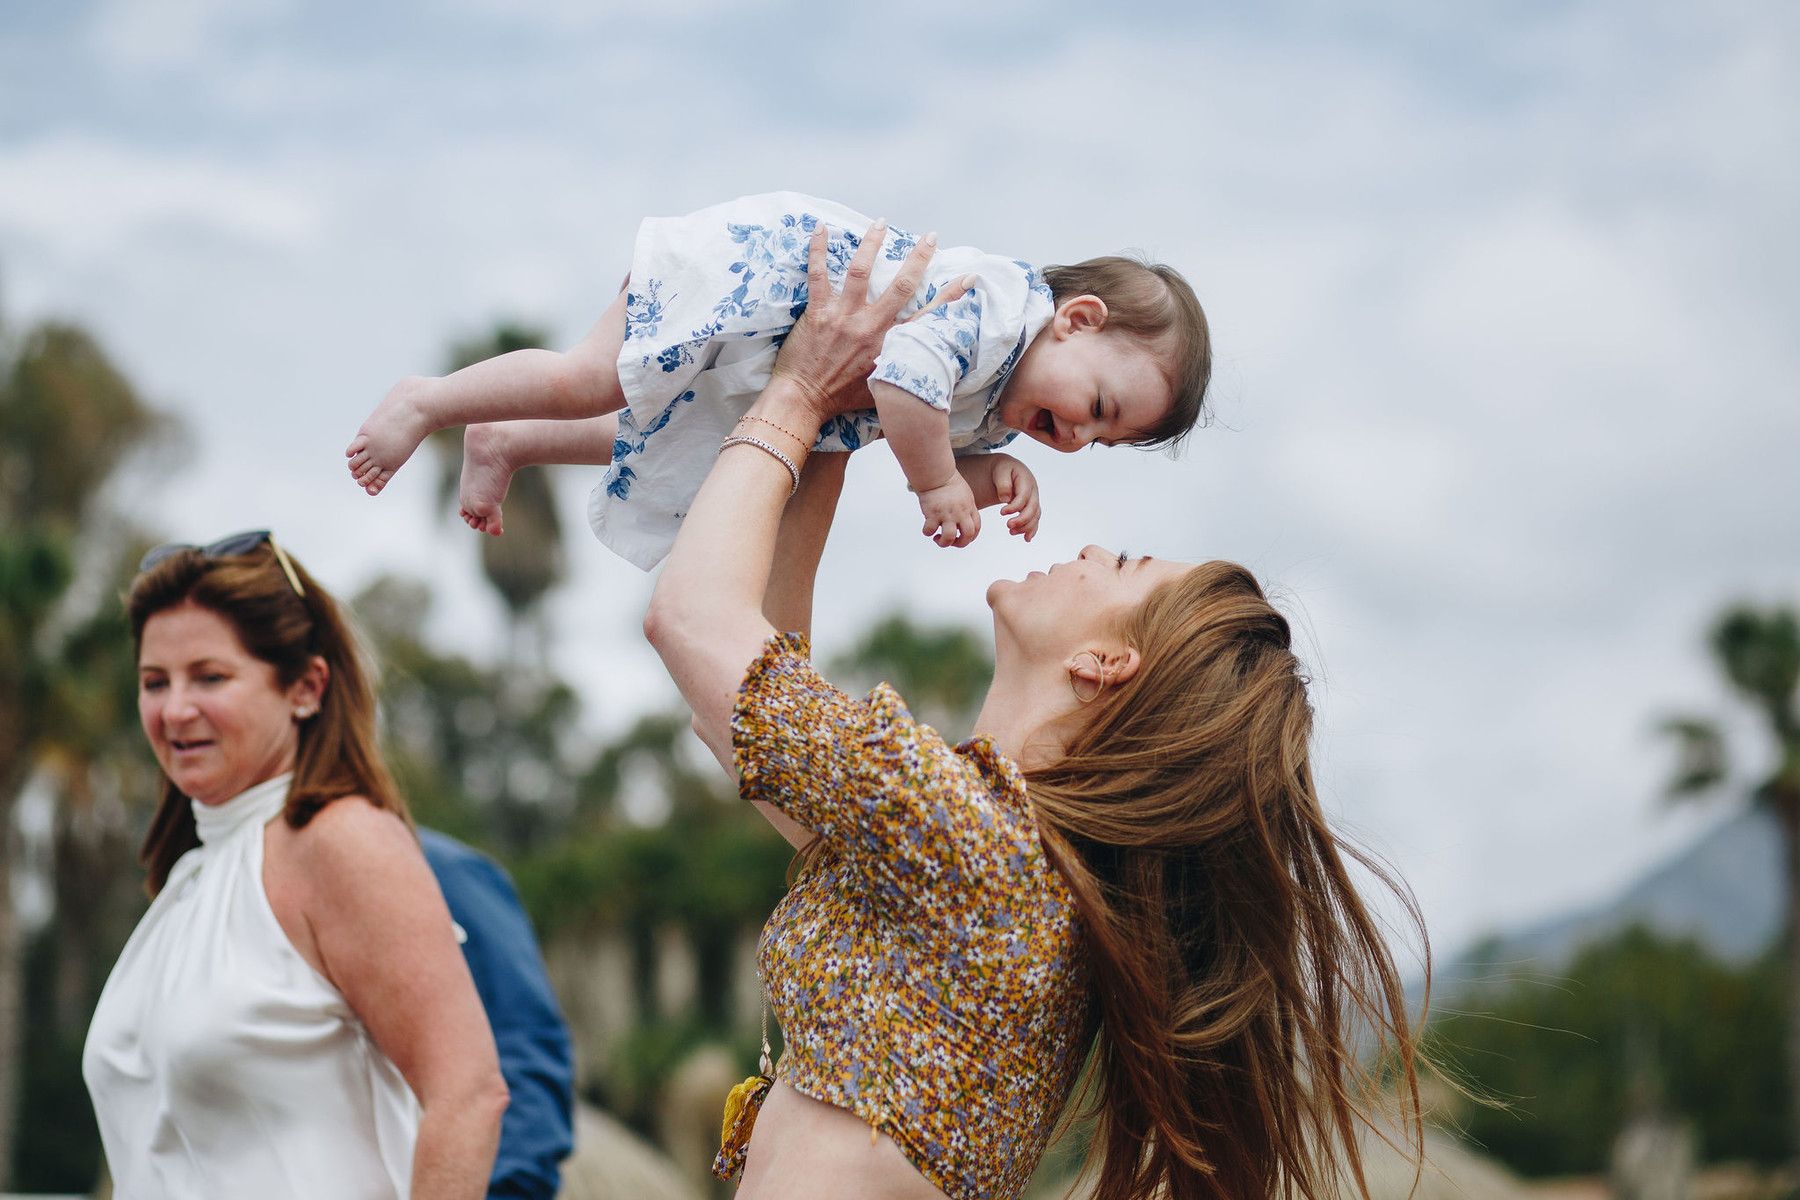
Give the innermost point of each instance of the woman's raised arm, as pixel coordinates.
(706, 617)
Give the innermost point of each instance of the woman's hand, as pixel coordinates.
(831, 350)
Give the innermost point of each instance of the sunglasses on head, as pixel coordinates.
(228, 547)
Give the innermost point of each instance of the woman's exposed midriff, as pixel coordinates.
(804, 1148)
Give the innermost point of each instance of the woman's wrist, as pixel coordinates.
(792, 404)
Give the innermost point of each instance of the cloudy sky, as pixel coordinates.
(1504, 296)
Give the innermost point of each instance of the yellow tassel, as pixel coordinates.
(741, 1107)
(734, 1103)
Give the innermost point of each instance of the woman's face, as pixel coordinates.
(1066, 609)
(217, 717)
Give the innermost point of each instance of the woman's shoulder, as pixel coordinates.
(348, 837)
(790, 718)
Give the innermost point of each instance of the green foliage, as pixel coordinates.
(59, 1145)
(477, 749)
(1701, 763)
(1636, 1019)
(1758, 652)
(942, 673)
(723, 869)
(35, 568)
(68, 421)
(503, 338)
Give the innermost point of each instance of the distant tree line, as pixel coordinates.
(1634, 1021)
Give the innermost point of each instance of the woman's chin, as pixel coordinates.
(199, 782)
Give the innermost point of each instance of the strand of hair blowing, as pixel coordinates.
(1239, 977)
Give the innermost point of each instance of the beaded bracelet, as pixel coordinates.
(784, 460)
(772, 425)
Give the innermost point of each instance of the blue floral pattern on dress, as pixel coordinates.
(955, 328)
(644, 309)
(774, 261)
(630, 441)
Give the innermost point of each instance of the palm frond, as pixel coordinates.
(1700, 757)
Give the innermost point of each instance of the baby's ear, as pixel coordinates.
(1084, 312)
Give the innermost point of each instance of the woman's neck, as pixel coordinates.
(1028, 711)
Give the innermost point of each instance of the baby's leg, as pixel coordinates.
(494, 450)
(524, 384)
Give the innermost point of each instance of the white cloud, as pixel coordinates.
(173, 34)
(88, 197)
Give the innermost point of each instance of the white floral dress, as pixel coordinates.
(711, 297)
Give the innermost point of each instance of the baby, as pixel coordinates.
(1110, 350)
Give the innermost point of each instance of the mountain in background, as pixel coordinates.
(1725, 892)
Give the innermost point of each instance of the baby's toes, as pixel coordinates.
(482, 519)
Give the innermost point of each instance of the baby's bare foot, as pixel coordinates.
(486, 474)
(390, 435)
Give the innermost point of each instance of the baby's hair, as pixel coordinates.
(1155, 304)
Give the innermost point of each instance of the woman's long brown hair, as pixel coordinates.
(338, 753)
(1242, 984)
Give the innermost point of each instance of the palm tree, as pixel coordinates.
(1758, 650)
(68, 421)
(528, 561)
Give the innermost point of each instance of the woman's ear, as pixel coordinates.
(1122, 665)
(1080, 314)
(1099, 669)
(307, 693)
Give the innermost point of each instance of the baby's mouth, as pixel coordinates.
(1044, 423)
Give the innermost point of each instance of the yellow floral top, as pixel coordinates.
(926, 966)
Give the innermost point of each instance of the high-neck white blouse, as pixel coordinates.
(221, 1064)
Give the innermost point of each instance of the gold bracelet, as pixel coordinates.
(772, 425)
(793, 471)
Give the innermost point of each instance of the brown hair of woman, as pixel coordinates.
(338, 754)
(1235, 967)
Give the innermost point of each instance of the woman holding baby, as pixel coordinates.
(1126, 867)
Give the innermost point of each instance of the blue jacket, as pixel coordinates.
(537, 1132)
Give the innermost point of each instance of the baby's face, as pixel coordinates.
(1076, 385)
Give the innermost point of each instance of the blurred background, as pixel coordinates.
(1504, 298)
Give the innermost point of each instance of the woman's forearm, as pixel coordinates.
(453, 1155)
(706, 618)
(800, 543)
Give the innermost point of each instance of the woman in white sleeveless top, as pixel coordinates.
(292, 1018)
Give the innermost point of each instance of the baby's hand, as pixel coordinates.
(1017, 489)
(951, 518)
